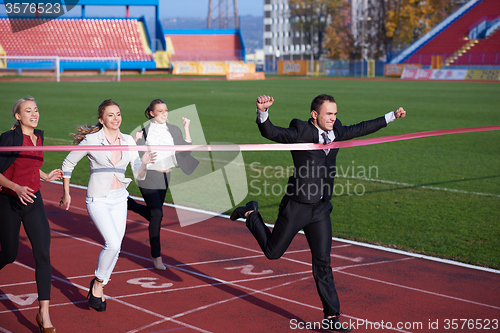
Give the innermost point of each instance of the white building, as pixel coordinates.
(282, 40)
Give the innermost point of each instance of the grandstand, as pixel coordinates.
(205, 45)
(469, 37)
(126, 40)
(76, 38)
(485, 50)
(82, 38)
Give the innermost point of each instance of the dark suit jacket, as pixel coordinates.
(186, 162)
(315, 171)
(13, 138)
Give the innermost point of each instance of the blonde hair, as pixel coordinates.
(83, 130)
(16, 109)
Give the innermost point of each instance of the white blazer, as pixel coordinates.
(102, 168)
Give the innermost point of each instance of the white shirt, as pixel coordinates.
(102, 169)
(159, 134)
(262, 117)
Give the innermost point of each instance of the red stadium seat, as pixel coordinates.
(452, 38)
(206, 47)
(75, 38)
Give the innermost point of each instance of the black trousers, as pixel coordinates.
(153, 190)
(37, 228)
(314, 219)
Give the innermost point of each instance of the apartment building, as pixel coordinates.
(282, 39)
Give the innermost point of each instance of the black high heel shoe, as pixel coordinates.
(95, 303)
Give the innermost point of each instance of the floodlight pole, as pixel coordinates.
(236, 16)
(223, 18)
(209, 19)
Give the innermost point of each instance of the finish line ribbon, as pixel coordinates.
(254, 147)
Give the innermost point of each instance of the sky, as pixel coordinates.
(168, 9)
(199, 8)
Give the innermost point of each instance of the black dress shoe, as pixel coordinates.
(241, 211)
(335, 325)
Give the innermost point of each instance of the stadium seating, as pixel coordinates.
(486, 51)
(453, 41)
(206, 47)
(74, 38)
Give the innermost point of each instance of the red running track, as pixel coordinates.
(218, 281)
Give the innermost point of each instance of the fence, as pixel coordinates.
(208, 55)
(469, 58)
(56, 64)
(355, 68)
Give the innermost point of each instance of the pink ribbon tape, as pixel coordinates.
(256, 147)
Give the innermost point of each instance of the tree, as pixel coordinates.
(408, 20)
(339, 41)
(312, 17)
(381, 27)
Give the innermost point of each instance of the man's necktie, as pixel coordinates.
(326, 140)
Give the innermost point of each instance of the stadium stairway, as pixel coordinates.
(486, 50)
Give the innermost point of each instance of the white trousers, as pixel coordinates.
(109, 215)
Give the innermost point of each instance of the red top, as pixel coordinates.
(25, 171)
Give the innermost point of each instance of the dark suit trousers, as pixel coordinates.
(153, 190)
(37, 229)
(314, 219)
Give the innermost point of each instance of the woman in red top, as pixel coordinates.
(21, 201)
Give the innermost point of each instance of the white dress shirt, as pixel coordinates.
(159, 134)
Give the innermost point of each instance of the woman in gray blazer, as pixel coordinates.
(106, 192)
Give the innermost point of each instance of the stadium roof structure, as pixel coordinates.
(96, 2)
(116, 2)
(73, 3)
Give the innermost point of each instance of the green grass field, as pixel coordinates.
(439, 196)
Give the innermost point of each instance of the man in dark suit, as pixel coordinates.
(306, 204)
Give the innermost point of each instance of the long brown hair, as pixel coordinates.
(83, 130)
(16, 109)
(152, 106)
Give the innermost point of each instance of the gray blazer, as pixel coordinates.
(102, 168)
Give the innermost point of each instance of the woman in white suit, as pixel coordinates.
(106, 193)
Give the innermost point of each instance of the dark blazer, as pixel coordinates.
(12, 138)
(315, 171)
(186, 162)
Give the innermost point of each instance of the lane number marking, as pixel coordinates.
(248, 270)
(149, 282)
(26, 299)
